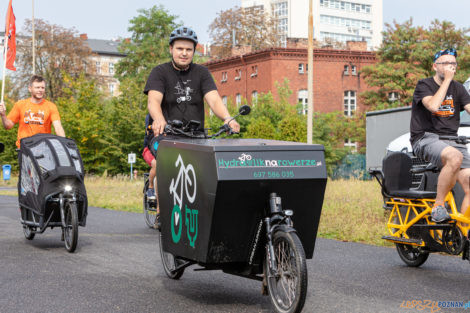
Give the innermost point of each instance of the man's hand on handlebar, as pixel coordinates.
(158, 126)
(234, 126)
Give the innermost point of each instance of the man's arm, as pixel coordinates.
(7, 124)
(59, 130)
(154, 105)
(432, 103)
(217, 106)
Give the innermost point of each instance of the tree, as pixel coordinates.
(58, 51)
(148, 45)
(251, 27)
(406, 55)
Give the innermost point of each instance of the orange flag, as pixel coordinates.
(10, 32)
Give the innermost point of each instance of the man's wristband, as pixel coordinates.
(228, 118)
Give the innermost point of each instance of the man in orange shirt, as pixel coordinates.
(34, 115)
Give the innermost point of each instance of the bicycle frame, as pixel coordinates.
(421, 209)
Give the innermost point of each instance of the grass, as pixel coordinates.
(352, 209)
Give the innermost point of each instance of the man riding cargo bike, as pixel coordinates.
(51, 191)
(176, 91)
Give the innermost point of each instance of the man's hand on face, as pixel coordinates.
(3, 109)
(158, 126)
(449, 72)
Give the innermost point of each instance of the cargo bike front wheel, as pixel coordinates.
(173, 267)
(287, 282)
(71, 226)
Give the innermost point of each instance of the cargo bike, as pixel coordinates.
(248, 207)
(51, 190)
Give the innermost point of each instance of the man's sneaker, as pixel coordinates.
(151, 194)
(439, 214)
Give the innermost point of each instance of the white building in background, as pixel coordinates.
(348, 20)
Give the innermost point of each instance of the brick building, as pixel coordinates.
(337, 82)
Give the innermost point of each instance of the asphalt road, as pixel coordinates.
(116, 268)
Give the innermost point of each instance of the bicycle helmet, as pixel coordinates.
(183, 32)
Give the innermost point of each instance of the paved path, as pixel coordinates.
(116, 268)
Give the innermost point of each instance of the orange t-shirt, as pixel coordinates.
(33, 118)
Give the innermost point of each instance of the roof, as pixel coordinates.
(102, 46)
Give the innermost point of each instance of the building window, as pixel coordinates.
(280, 9)
(346, 70)
(224, 100)
(254, 97)
(98, 67)
(353, 70)
(111, 89)
(349, 102)
(224, 77)
(301, 68)
(350, 144)
(238, 99)
(346, 6)
(345, 22)
(238, 74)
(393, 96)
(254, 71)
(344, 37)
(111, 68)
(303, 101)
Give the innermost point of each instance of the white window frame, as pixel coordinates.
(302, 98)
(238, 99)
(353, 70)
(239, 74)
(301, 68)
(254, 70)
(111, 68)
(224, 77)
(254, 97)
(224, 100)
(350, 103)
(350, 144)
(98, 67)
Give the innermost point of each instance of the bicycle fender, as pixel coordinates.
(284, 228)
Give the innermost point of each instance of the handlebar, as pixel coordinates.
(191, 129)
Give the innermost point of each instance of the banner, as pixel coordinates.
(10, 35)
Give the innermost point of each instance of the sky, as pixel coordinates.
(109, 19)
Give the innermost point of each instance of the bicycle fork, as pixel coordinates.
(276, 217)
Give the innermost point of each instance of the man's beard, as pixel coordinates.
(179, 67)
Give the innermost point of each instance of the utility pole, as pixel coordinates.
(34, 42)
(310, 75)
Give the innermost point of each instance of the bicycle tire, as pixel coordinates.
(150, 214)
(71, 226)
(412, 256)
(292, 272)
(169, 262)
(27, 231)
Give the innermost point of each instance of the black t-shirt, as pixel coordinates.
(183, 91)
(446, 120)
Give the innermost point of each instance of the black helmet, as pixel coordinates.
(183, 32)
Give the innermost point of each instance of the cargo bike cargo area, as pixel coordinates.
(248, 207)
(51, 190)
